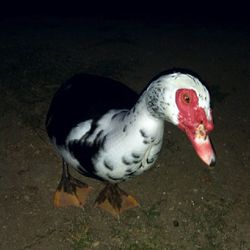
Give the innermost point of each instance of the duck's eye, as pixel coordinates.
(186, 98)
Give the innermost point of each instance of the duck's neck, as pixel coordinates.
(140, 117)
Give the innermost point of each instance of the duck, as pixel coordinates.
(104, 130)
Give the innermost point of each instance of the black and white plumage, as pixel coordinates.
(106, 131)
(103, 134)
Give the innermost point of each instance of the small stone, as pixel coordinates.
(176, 223)
(26, 198)
(96, 244)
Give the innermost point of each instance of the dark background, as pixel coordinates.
(234, 12)
(183, 204)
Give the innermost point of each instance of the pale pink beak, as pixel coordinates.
(202, 145)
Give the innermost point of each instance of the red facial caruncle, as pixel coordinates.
(194, 121)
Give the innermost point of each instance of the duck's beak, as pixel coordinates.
(202, 145)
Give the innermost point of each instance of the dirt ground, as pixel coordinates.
(183, 204)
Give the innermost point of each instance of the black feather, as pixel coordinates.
(85, 97)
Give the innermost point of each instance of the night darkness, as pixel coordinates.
(234, 12)
(183, 204)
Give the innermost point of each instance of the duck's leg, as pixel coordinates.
(70, 191)
(114, 200)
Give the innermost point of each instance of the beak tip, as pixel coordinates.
(212, 163)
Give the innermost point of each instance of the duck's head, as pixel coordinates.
(184, 101)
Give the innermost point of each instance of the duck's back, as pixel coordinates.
(85, 97)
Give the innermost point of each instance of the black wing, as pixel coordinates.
(85, 97)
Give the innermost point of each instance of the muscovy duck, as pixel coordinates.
(106, 131)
